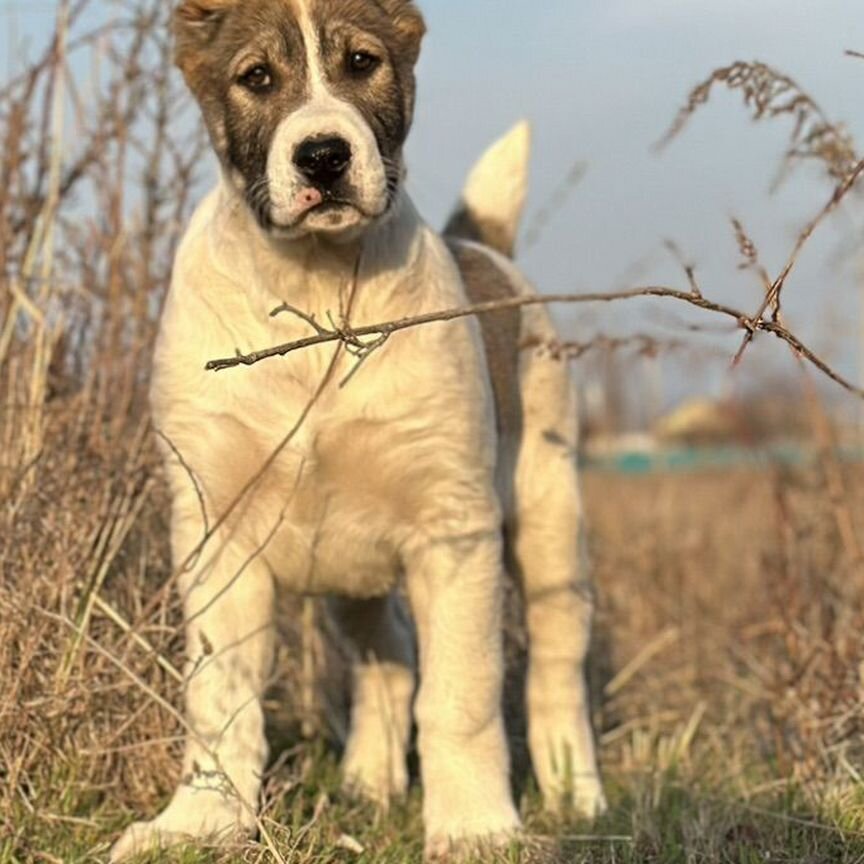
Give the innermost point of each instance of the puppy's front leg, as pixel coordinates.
(228, 604)
(454, 582)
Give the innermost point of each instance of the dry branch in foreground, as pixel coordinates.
(367, 339)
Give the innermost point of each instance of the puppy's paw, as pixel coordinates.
(376, 775)
(582, 796)
(461, 850)
(203, 816)
(566, 768)
(472, 839)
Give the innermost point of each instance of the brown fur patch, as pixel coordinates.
(465, 225)
(385, 97)
(216, 40)
(214, 50)
(484, 281)
(410, 24)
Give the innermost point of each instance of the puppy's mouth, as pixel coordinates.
(329, 204)
(314, 209)
(323, 210)
(331, 213)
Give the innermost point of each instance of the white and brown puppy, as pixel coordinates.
(449, 442)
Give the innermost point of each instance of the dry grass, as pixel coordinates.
(745, 580)
(727, 655)
(725, 673)
(769, 94)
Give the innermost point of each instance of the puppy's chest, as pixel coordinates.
(343, 460)
(337, 500)
(345, 505)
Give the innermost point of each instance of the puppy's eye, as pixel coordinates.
(362, 62)
(258, 79)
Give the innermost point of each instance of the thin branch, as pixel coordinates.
(247, 488)
(641, 344)
(774, 289)
(688, 267)
(377, 334)
(838, 195)
(354, 337)
(303, 316)
(771, 296)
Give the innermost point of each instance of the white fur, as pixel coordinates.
(497, 186)
(391, 476)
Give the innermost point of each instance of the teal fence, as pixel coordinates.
(709, 458)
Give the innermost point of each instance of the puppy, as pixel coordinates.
(450, 448)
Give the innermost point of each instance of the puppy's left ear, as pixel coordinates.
(195, 25)
(196, 22)
(409, 23)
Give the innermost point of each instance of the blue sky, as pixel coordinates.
(600, 82)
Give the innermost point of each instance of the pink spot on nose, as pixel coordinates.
(308, 198)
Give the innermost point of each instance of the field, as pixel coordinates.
(724, 670)
(727, 665)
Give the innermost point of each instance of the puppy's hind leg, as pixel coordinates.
(374, 764)
(558, 601)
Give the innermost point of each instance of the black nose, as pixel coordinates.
(323, 160)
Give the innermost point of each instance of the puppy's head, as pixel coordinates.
(308, 103)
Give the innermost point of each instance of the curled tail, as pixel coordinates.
(494, 195)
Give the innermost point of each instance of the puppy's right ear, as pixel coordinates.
(200, 13)
(409, 23)
(195, 24)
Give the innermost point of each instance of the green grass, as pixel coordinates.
(669, 818)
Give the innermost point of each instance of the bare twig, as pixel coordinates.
(687, 266)
(640, 344)
(774, 288)
(556, 202)
(379, 333)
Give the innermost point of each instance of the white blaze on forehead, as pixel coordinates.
(323, 115)
(314, 56)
